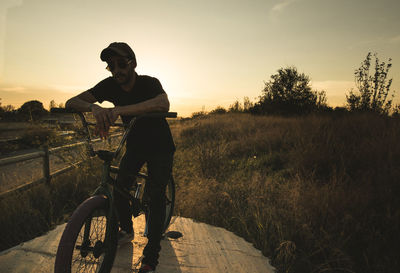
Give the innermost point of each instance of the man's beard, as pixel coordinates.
(122, 78)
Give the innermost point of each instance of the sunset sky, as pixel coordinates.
(205, 53)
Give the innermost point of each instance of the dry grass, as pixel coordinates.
(316, 194)
(29, 214)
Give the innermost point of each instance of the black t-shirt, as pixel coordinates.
(150, 135)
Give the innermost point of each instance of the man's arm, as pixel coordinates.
(105, 117)
(159, 103)
(84, 102)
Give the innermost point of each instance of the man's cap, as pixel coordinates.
(117, 48)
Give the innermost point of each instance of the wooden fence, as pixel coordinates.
(44, 153)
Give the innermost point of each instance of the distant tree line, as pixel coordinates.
(32, 110)
(289, 92)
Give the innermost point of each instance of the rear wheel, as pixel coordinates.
(89, 241)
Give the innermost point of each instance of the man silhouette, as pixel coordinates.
(149, 142)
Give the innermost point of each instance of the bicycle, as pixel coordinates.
(90, 239)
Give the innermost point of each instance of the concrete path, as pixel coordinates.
(203, 248)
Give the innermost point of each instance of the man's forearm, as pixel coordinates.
(79, 104)
(158, 104)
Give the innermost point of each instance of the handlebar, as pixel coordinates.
(153, 115)
(125, 135)
(63, 110)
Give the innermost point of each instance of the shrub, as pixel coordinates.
(32, 110)
(218, 110)
(289, 92)
(373, 90)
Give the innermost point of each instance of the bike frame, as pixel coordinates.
(107, 180)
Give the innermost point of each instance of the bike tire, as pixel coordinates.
(75, 256)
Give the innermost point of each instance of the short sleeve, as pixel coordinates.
(156, 88)
(101, 91)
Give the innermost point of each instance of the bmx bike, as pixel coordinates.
(90, 239)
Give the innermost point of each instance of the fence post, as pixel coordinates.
(46, 164)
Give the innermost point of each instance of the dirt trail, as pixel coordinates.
(203, 248)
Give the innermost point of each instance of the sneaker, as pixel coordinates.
(125, 237)
(145, 268)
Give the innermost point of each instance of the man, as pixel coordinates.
(149, 142)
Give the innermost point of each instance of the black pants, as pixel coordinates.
(159, 169)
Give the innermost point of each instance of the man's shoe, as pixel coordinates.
(145, 268)
(125, 237)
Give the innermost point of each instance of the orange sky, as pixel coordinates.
(205, 53)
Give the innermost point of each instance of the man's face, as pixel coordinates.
(121, 69)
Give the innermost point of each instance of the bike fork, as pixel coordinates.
(85, 247)
(139, 194)
(146, 228)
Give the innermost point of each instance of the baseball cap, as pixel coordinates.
(118, 48)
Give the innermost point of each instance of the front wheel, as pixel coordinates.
(89, 241)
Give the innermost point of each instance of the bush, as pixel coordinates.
(37, 136)
(34, 136)
(373, 90)
(288, 93)
(199, 114)
(32, 110)
(218, 110)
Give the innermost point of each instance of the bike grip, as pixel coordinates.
(63, 110)
(171, 115)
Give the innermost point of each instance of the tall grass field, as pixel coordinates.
(315, 194)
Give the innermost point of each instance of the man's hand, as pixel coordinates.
(105, 117)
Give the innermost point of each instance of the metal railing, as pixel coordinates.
(45, 154)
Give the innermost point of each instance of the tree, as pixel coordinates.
(373, 90)
(289, 92)
(7, 112)
(236, 107)
(31, 110)
(52, 104)
(8, 108)
(247, 104)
